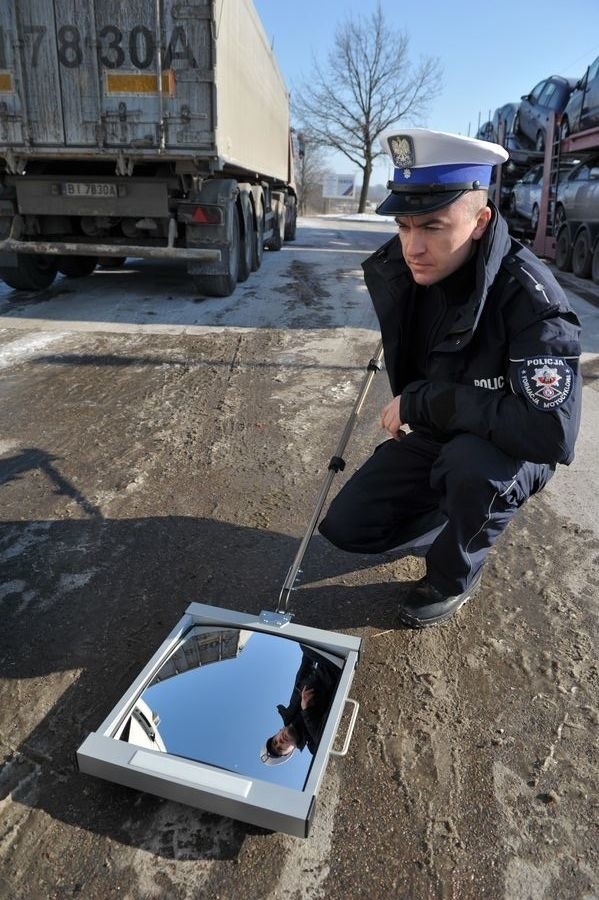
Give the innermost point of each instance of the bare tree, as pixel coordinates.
(311, 169)
(367, 84)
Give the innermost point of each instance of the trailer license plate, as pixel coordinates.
(89, 189)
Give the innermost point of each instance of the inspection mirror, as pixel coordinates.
(234, 714)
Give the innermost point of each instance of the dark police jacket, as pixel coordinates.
(319, 673)
(506, 365)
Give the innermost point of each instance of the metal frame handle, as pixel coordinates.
(337, 464)
(350, 728)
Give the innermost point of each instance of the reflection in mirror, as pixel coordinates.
(242, 700)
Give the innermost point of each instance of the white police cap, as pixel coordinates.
(434, 168)
(270, 759)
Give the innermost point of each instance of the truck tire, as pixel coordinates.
(595, 266)
(582, 258)
(247, 238)
(224, 285)
(278, 226)
(258, 254)
(77, 266)
(563, 249)
(290, 219)
(31, 273)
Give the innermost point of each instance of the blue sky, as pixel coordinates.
(491, 54)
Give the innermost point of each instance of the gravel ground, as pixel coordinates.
(156, 450)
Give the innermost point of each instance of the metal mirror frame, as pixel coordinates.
(208, 787)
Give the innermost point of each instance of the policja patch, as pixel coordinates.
(546, 381)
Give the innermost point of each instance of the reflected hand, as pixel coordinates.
(391, 419)
(307, 697)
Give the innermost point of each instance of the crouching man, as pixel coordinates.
(482, 354)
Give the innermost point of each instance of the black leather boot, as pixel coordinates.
(425, 605)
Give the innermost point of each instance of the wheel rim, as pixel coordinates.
(534, 219)
(540, 142)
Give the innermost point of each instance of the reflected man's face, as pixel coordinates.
(283, 742)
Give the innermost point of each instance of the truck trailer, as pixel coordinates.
(154, 128)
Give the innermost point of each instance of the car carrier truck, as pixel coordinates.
(153, 128)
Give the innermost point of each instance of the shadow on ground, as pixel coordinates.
(85, 605)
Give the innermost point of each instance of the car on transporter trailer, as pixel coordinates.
(577, 220)
(525, 195)
(547, 98)
(582, 110)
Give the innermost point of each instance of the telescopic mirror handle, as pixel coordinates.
(336, 464)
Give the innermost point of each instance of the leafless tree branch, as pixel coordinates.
(367, 83)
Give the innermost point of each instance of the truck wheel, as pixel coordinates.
(111, 262)
(563, 249)
(291, 220)
(77, 266)
(247, 240)
(595, 266)
(582, 258)
(223, 285)
(278, 229)
(258, 253)
(31, 273)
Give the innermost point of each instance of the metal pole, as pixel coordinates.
(337, 464)
(162, 126)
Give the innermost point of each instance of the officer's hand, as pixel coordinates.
(391, 420)
(307, 697)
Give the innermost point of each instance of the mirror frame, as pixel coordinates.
(208, 787)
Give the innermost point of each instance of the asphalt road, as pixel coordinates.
(157, 448)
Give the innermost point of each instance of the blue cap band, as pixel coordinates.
(451, 174)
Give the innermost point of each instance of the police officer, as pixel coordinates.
(482, 354)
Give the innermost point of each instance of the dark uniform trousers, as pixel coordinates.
(475, 485)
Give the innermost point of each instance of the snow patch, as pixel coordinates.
(12, 587)
(75, 580)
(31, 534)
(24, 348)
(8, 447)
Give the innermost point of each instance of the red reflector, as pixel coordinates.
(208, 215)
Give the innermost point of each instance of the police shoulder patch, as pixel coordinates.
(545, 381)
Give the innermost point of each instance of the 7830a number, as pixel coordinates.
(140, 42)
